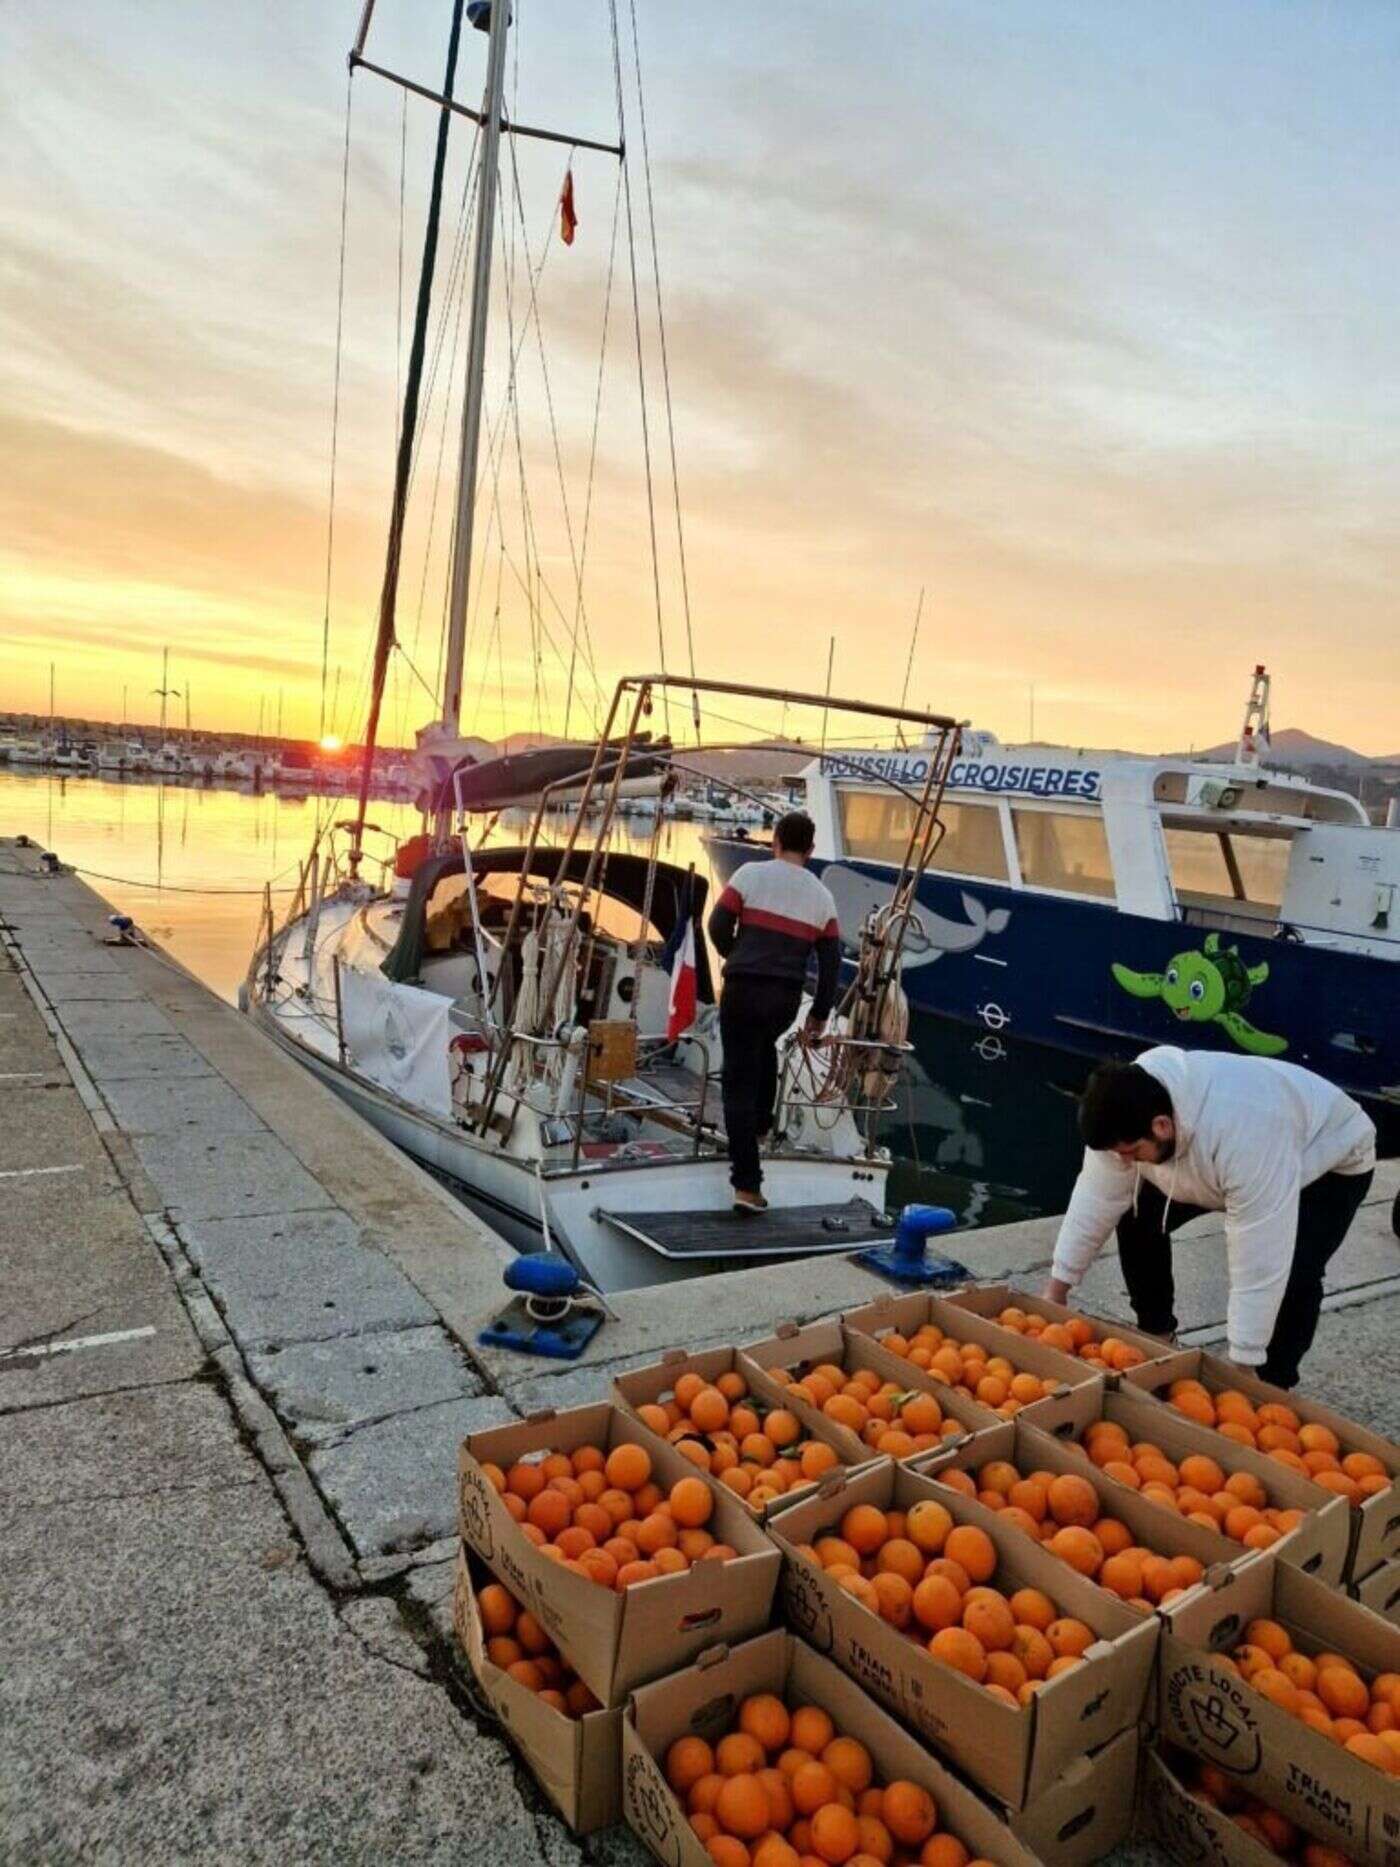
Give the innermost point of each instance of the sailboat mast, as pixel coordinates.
(476, 363)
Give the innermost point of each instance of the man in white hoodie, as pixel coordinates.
(1285, 1155)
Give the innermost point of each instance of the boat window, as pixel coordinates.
(1212, 865)
(449, 909)
(1064, 850)
(875, 826)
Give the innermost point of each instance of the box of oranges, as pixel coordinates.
(766, 1755)
(1197, 1813)
(1177, 1466)
(1008, 1660)
(869, 1400)
(1336, 1453)
(1106, 1347)
(1042, 1488)
(628, 1558)
(1292, 1690)
(734, 1421)
(1006, 1371)
(1380, 1591)
(571, 1744)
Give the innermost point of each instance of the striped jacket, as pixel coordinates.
(768, 920)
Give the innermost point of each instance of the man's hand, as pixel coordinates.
(1056, 1290)
(813, 1030)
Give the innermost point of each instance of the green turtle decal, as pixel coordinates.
(1209, 987)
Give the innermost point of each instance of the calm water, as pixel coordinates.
(982, 1126)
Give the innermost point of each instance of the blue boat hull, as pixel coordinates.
(1076, 975)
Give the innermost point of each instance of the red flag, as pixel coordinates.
(680, 1010)
(568, 219)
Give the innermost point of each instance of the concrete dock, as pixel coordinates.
(237, 1353)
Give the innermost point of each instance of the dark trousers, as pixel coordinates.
(753, 1014)
(1325, 1210)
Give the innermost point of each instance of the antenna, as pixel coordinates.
(1256, 719)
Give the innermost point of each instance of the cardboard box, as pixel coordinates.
(1209, 1710)
(991, 1299)
(1319, 1545)
(790, 1347)
(576, 1761)
(909, 1313)
(1189, 1829)
(1016, 1754)
(1380, 1591)
(1376, 1522)
(1029, 1449)
(641, 1386)
(616, 1641)
(704, 1701)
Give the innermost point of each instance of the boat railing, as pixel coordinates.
(843, 1088)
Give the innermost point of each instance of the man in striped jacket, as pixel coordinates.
(765, 926)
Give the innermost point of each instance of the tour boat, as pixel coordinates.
(1102, 903)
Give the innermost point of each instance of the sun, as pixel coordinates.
(331, 742)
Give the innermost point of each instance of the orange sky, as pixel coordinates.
(1083, 318)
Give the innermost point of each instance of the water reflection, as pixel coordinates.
(983, 1126)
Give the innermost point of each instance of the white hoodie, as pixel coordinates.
(1251, 1133)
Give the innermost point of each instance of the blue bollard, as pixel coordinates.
(906, 1261)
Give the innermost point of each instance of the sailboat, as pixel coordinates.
(510, 1014)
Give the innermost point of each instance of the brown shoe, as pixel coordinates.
(749, 1202)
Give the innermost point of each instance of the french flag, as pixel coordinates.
(680, 1008)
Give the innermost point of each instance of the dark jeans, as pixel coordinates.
(753, 1014)
(1325, 1210)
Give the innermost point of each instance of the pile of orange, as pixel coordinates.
(601, 1515)
(935, 1580)
(1234, 1504)
(1075, 1336)
(1065, 1513)
(969, 1369)
(888, 1417)
(1323, 1690)
(756, 1450)
(1261, 1823)
(1276, 1430)
(517, 1643)
(784, 1788)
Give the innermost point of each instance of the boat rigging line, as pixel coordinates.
(335, 393)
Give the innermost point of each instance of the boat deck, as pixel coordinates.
(781, 1232)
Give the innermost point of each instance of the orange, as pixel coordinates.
(849, 1762)
(1073, 1500)
(937, 1603)
(1201, 1472)
(692, 1502)
(497, 1609)
(961, 1650)
(864, 1528)
(774, 1851)
(526, 1673)
(1343, 1692)
(1371, 1750)
(1274, 1640)
(1032, 1651)
(909, 1813)
(709, 1410)
(525, 1481)
(812, 1729)
(657, 1532)
(835, 1834)
(628, 1467)
(895, 1598)
(738, 1753)
(943, 1851)
(741, 1807)
(1069, 1637)
(1081, 1549)
(728, 1851)
(688, 1759)
(687, 1387)
(1277, 1687)
(816, 1458)
(1122, 1574)
(986, 1615)
(901, 1557)
(631, 1573)
(766, 1718)
(973, 1549)
(929, 1525)
(780, 1809)
(782, 1427)
(1031, 1608)
(811, 1787)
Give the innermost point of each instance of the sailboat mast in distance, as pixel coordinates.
(494, 16)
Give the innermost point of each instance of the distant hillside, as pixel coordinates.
(1293, 747)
